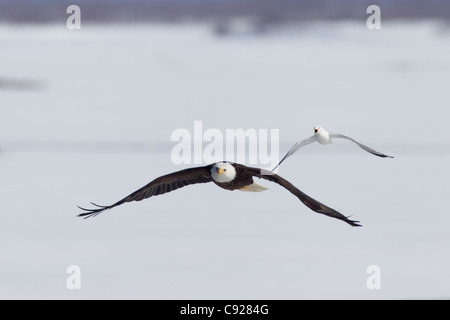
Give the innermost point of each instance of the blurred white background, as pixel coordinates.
(87, 115)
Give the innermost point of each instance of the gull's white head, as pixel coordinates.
(322, 135)
(223, 172)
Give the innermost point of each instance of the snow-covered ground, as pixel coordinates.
(93, 123)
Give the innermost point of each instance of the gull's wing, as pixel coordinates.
(296, 146)
(159, 186)
(307, 200)
(379, 154)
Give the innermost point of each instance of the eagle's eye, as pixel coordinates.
(224, 170)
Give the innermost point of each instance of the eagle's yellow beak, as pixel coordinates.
(220, 171)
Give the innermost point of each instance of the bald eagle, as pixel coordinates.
(227, 175)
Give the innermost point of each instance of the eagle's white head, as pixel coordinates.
(223, 172)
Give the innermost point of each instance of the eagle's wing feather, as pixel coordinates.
(159, 186)
(307, 200)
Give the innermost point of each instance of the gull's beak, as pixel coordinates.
(316, 130)
(220, 171)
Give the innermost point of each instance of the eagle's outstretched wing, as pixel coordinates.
(158, 186)
(307, 200)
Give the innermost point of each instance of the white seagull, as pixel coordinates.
(324, 137)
